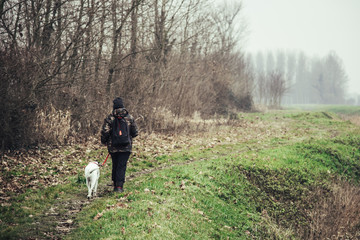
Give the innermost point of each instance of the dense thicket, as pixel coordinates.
(63, 61)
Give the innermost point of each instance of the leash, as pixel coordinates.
(103, 162)
(105, 159)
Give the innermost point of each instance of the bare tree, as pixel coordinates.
(75, 55)
(270, 62)
(116, 38)
(290, 75)
(276, 85)
(333, 80)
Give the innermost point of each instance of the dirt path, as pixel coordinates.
(64, 223)
(61, 224)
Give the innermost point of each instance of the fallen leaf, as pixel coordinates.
(122, 205)
(182, 185)
(99, 215)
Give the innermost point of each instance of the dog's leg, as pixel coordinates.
(96, 182)
(88, 184)
(93, 181)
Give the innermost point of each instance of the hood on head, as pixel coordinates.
(118, 103)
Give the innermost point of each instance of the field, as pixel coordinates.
(289, 174)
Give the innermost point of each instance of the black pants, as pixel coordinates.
(119, 161)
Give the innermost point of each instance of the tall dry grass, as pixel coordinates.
(336, 216)
(168, 122)
(53, 125)
(355, 119)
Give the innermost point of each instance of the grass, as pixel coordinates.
(267, 176)
(177, 203)
(236, 195)
(339, 109)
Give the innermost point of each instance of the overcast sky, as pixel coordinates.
(313, 26)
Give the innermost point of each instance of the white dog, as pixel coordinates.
(92, 174)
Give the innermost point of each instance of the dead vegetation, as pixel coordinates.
(58, 77)
(336, 215)
(36, 168)
(355, 119)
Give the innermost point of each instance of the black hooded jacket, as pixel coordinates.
(106, 130)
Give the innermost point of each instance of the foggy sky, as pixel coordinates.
(313, 26)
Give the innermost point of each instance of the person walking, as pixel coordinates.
(117, 134)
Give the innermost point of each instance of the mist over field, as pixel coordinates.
(311, 28)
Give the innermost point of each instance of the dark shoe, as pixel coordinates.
(118, 189)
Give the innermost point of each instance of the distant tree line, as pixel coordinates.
(301, 79)
(63, 61)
